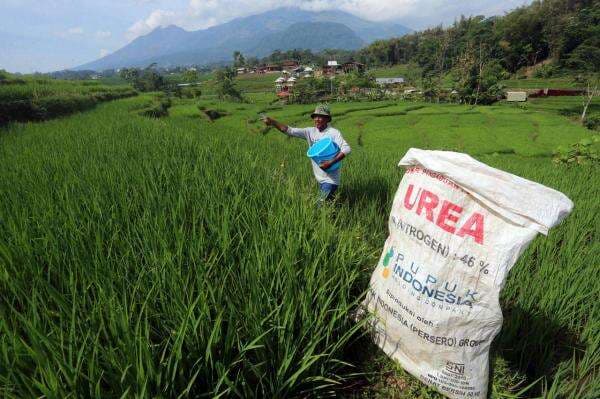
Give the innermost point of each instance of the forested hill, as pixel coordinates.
(317, 36)
(564, 31)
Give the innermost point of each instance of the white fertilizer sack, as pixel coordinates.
(457, 226)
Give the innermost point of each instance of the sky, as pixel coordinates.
(52, 35)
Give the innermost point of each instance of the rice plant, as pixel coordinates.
(181, 257)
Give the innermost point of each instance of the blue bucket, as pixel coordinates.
(324, 150)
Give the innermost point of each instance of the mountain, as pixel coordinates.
(255, 35)
(316, 36)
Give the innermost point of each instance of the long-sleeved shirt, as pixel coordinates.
(312, 134)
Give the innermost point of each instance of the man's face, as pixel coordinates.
(320, 121)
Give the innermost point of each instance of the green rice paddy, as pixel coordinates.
(184, 257)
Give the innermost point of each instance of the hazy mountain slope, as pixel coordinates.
(314, 35)
(256, 35)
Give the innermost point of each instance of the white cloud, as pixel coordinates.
(202, 14)
(104, 52)
(103, 34)
(376, 10)
(75, 31)
(157, 18)
(205, 13)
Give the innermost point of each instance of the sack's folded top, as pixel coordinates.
(520, 201)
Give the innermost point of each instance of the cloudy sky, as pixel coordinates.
(57, 34)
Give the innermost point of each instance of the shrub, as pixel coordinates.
(592, 122)
(158, 109)
(309, 90)
(585, 151)
(36, 100)
(545, 71)
(225, 83)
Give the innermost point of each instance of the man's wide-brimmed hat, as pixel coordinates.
(323, 110)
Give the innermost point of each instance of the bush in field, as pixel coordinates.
(358, 79)
(225, 85)
(583, 152)
(479, 83)
(309, 90)
(545, 71)
(147, 79)
(190, 92)
(592, 122)
(158, 109)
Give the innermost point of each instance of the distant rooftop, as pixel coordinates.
(387, 81)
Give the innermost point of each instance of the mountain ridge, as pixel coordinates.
(255, 35)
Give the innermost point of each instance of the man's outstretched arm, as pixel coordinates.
(283, 128)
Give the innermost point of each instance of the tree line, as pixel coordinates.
(477, 52)
(566, 31)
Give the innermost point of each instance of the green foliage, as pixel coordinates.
(566, 31)
(225, 86)
(585, 151)
(186, 258)
(238, 59)
(309, 90)
(159, 108)
(478, 81)
(190, 76)
(149, 80)
(41, 99)
(592, 122)
(144, 80)
(357, 79)
(306, 56)
(545, 71)
(129, 74)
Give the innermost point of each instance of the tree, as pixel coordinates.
(150, 80)
(586, 59)
(190, 75)
(147, 80)
(591, 84)
(238, 59)
(129, 74)
(226, 89)
(477, 76)
(310, 90)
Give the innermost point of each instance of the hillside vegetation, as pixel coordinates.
(34, 99)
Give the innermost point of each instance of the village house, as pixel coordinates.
(289, 65)
(290, 83)
(269, 68)
(283, 84)
(331, 68)
(353, 66)
(390, 82)
(308, 72)
(279, 83)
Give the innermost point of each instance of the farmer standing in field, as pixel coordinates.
(328, 181)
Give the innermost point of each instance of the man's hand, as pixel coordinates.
(268, 121)
(272, 122)
(326, 164)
